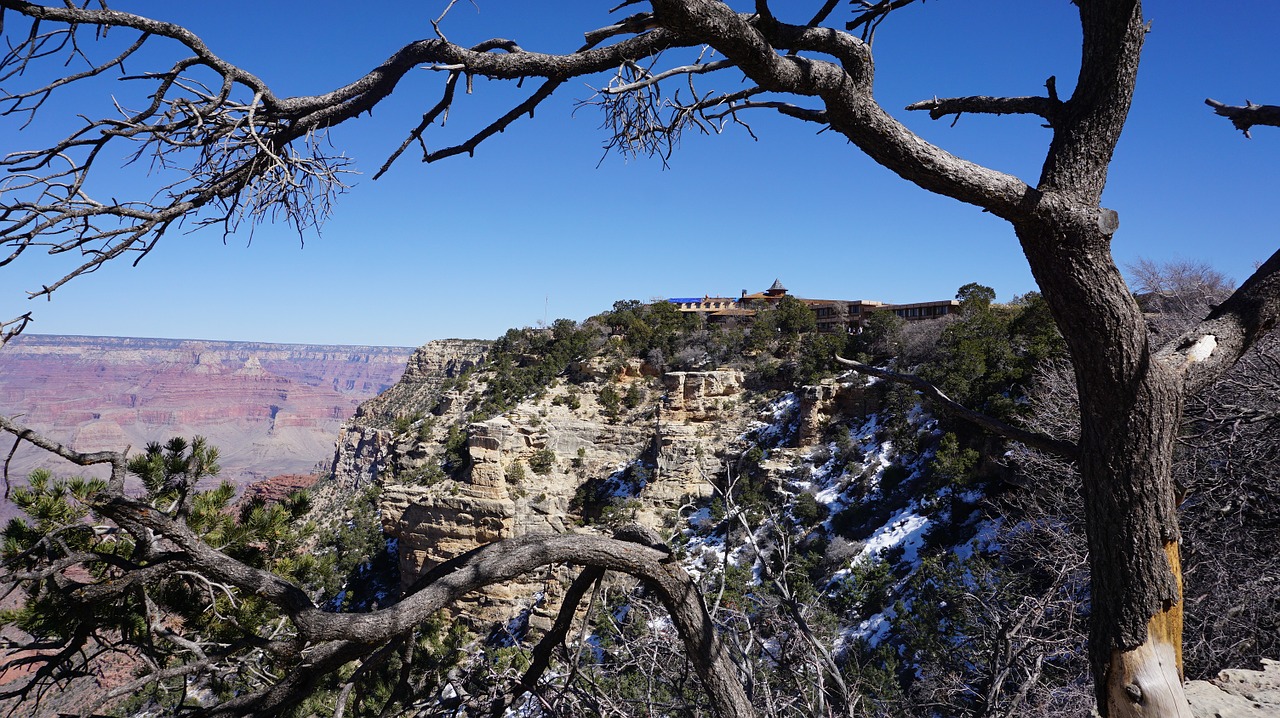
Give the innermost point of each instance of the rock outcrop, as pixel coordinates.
(1238, 693)
(431, 369)
(543, 467)
(700, 395)
(363, 455)
(819, 402)
(368, 448)
(277, 488)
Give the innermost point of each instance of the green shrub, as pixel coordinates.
(808, 511)
(404, 423)
(429, 474)
(542, 461)
(893, 475)
(424, 429)
(571, 400)
(524, 362)
(611, 402)
(515, 472)
(456, 455)
(859, 520)
(951, 464)
(618, 512)
(866, 590)
(634, 397)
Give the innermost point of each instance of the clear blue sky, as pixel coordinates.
(532, 229)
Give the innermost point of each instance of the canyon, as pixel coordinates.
(435, 465)
(558, 461)
(270, 408)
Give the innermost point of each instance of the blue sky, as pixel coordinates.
(536, 227)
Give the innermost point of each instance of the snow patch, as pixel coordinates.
(905, 528)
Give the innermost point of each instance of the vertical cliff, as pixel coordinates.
(368, 445)
(430, 371)
(565, 458)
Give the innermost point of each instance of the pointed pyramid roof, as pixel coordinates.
(777, 286)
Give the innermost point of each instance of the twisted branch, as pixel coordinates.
(338, 638)
(1064, 449)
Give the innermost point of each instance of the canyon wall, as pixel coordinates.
(367, 445)
(270, 408)
(543, 467)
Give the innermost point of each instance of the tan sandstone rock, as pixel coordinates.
(1238, 693)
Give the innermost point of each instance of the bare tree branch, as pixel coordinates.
(1206, 351)
(785, 108)
(632, 25)
(559, 630)
(227, 148)
(115, 458)
(872, 15)
(1064, 449)
(846, 90)
(1047, 107)
(653, 79)
(13, 327)
(1247, 115)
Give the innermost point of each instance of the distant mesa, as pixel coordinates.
(252, 367)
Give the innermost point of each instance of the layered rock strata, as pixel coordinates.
(271, 408)
(368, 448)
(430, 370)
(530, 470)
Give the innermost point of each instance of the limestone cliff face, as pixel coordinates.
(579, 452)
(367, 447)
(429, 371)
(363, 453)
(818, 403)
(700, 395)
(543, 467)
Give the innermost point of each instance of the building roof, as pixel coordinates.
(777, 286)
(703, 300)
(913, 305)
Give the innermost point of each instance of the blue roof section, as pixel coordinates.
(682, 300)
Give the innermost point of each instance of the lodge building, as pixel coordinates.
(833, 315)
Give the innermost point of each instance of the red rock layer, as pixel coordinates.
(270, 408)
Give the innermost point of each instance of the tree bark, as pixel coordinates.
(1130, 408)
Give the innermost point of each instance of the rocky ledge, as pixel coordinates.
(1238, 693)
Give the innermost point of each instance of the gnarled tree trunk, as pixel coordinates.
(1130, 408)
